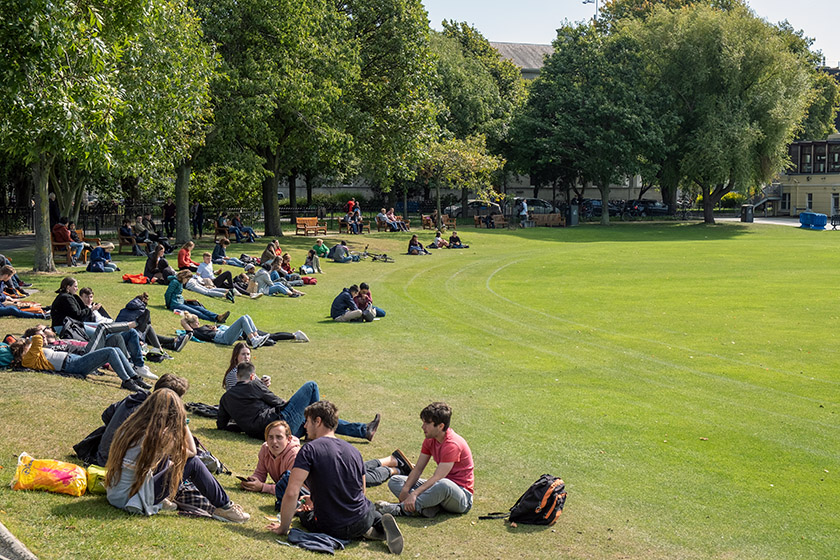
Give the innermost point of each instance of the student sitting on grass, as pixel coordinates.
(438, 243)
(174, 298)
(241, 328)
(455, 242)
(344, 307)
(415, 247)
(213, 278)
(312, 264)
(252, 407)
(271, 252)
(320, 248)
(137, 311)
(11, 308)
(31, 353)
(157, 268)
(152, 452)
(220, 254)
(185, 261)
(364, 301)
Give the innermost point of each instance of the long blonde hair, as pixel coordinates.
(158, 425)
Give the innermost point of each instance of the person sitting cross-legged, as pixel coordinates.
(252, 406)
(335, 474)
(451, 486)
(344, 307)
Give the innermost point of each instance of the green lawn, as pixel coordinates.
(682, 379)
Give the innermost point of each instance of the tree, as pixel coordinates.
(738, 107)
(462, 163)
(587, 118)
(822, 110)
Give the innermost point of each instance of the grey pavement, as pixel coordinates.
(12, 242)
(11, 548)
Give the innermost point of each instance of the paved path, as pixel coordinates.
(11, 242)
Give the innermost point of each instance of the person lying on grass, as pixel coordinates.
(227, 335)
(152, 452)
(31, 353)
(451, 486)
(174, 298)
(265, 286)
(137, 311)
(252, 406)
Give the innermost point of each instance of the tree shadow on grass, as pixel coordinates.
(630, 232)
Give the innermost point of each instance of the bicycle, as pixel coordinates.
(375, 257)
(684, 211)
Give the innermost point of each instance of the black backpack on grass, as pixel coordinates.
(541, 504)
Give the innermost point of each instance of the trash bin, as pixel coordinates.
(747, 213)
(572, 217)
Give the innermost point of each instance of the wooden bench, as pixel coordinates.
(549, 220)
(92, 241)
(344, 226)
(130, 242)
(62, 250)
(382, 225)
(427, 222)
(304, 225)
(220, 231)
(447, 222)
(499, 221)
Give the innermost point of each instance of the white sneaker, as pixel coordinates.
(300, 336)
(144, 372)
(256, 295)
(232, 513)
(258, 340)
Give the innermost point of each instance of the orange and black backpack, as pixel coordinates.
(541, 504)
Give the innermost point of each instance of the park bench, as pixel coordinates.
(499, 221)
(220, 231)
(426, 222)
(343, 226)
(447, 221)
(63, 250)
(383, 225)
(549, 220)
(130, 242)
(304, 225)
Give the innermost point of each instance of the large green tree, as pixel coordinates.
(738, 107)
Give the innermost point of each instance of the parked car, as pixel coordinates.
(653, 207)
(537, 206)
(474, 207)
(598, 208)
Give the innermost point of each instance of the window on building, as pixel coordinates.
(835, 203)
(834, 158)
(805, 159)
(819, 158)
(810, 203)
(785, 202)
(793, 152)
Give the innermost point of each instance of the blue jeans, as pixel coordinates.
(196, 472)
(235, 230)
(12, 311)
(279, 288)
(306, 395)
(228, 337)
(232, 261)
(201, 312)
(86, 363)
(79, 247)
(130, 341)
(248, 230)
(379, 311)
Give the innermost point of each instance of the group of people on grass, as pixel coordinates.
(147, 446)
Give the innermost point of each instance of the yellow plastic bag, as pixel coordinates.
(95, 479)
(52, 476)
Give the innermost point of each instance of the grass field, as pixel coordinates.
(682, 379)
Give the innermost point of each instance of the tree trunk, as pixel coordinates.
(465, 207)
(708, 205)
(437, 202)
(269, 193)
(309, 178)
(43, 258)
(131, 190)
(669, 182)
(405, 202)
(605, 204)
(182, 201)
(293, 193)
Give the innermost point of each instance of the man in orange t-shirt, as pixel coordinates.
(451, 486)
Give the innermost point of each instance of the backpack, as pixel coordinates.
(96, 266)
(213, 464)
(73, 329)
(541, 504)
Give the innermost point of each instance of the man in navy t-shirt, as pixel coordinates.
(334, 472)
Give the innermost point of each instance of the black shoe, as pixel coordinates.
(393, 536)
(182, 340)
(372, 427)
(229, 296)
(140, 383)
(403, 464)
(24, 284)
(130, 385)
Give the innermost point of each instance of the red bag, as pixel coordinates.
(135, 279)
(309, 280)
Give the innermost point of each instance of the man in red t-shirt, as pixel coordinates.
(451, 486)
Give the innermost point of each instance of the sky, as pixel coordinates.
(536, 21)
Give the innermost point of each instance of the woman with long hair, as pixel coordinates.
(157, 267)
(185, 261)
(152, 452)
